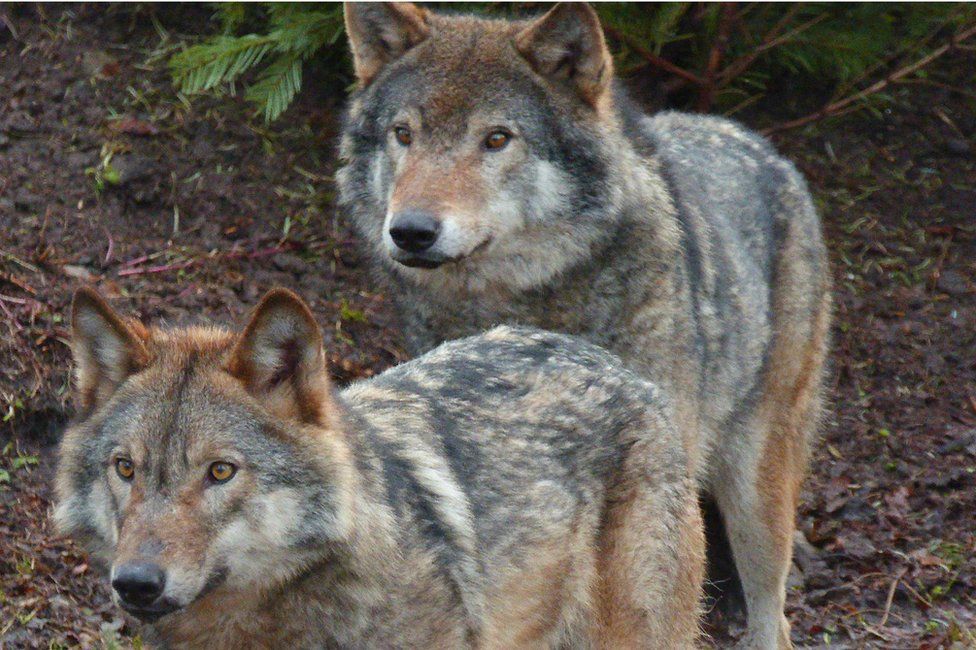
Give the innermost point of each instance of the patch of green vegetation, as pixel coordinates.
(952, 553)
(25, 566)
(104, 174)
(12, 408)
(729, 55)
(23, 460)
(347, 313)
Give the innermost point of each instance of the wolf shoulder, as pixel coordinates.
(714, 145)
(734, 192)
(719, 161)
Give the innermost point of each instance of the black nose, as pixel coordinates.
(414, 231)
(139, 583)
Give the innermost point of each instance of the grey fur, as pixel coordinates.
(405, 518)
(682, 243)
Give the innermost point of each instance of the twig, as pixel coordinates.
(654, 59)
(939, 263)
(922, 599)
(142, 270)
(907, 49)
(16, 301)
(17, 260)
(715, 56)
(843, 104)
(939, 84)
(111, 247)
(10, 317)
(948, 122)
(891, 596)
(17, 282)
(770, 41)
(13, 32)
(231, 255)
(143, 258)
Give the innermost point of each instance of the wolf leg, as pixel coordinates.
(758, 486)
(650, 562)
(760, 532)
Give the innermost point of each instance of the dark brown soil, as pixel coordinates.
(190, 211)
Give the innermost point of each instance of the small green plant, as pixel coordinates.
(104, 174)
(25, 566)
(932, 626)
(350, 314)
(16, 460)
(23, 460)
(12, 408)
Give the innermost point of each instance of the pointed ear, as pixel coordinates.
(381, 32)
(280, 360)
(567, 45)
(106, 348)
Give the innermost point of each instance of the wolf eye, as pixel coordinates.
(222, 472)
(124, 468)
(497, 140)
(403, 135)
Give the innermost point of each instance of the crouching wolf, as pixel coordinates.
(498, 176)
(517, 489)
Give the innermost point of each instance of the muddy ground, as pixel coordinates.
(189, 211)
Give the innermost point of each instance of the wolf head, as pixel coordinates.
(479, 150)
(202, 460)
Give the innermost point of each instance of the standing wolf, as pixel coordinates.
(498, 176)
(518, 489)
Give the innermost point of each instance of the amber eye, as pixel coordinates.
(222, 472)
(124, 468)
(497, 140)
(403, 135)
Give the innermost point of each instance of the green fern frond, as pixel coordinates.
(297, 32)
(222, 59)
(232, 15)
(277, 86)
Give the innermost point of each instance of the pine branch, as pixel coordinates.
(653, 59)
(726, 17)
(771, 40)
(845, 105)
(277, 86)
(203, 67)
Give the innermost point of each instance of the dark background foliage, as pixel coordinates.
(722, 57)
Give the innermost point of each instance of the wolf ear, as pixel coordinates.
(567, 45)
(279, 358)
(381, 32)
(106, 348)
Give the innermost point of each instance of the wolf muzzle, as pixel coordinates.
(139, 586)
(414, 232)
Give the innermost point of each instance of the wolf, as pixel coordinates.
(497, 173)
(516, 489)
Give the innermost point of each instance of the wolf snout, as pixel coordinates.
(414, 231)
(139, 584)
